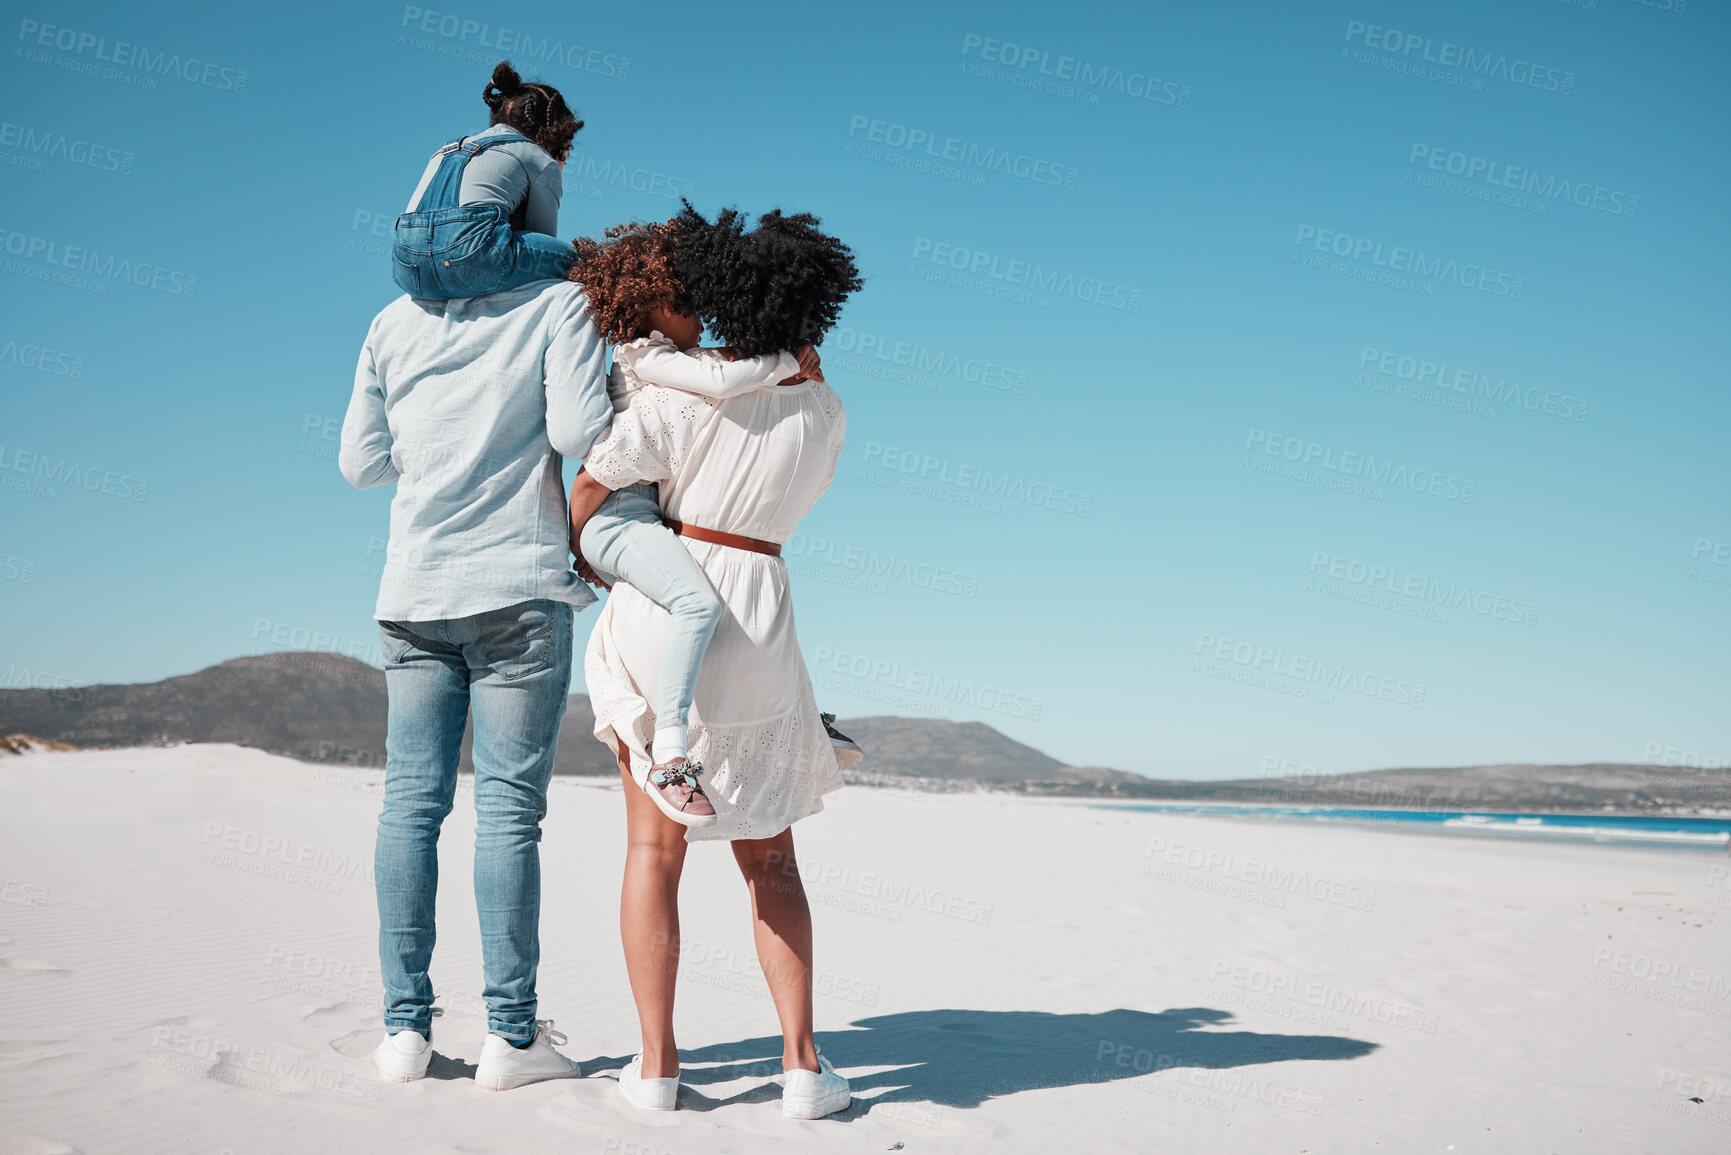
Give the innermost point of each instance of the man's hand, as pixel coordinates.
(587, 573)
(587, 494)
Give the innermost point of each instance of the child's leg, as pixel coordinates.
(625, 541)
(536, 257)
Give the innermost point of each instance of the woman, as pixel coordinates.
(735, 477)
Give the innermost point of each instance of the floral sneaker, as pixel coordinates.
(677, 790)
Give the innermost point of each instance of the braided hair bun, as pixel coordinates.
(504, 85)
(533, 109)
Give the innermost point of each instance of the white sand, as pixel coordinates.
(995, 975)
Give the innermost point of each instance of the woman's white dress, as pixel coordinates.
(752, 465)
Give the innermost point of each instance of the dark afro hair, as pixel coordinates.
(626, 276)
(779, 286)
(535, 110)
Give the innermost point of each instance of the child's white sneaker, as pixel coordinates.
(814, 1094)
(649, 1094)
(504, 1067)
(403, 1057)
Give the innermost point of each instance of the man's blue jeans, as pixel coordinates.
(511, 668)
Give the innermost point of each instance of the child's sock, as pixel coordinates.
(669, 744)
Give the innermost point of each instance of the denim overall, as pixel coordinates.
(444, 249)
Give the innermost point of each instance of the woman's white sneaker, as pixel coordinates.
(403, 1057)
(504, 1067)
(814, 1094)
(649, 1094)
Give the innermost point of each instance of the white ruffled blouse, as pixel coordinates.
(754, 465)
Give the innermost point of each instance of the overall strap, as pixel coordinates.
(445, 188)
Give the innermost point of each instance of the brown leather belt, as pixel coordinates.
(716, 537)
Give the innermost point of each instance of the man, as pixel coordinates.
(470, 405)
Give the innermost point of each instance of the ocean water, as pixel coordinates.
(1699, 833)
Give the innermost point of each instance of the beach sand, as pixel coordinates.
(188, 963)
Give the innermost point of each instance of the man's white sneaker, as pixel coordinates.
(403, 1057)
(649, 1094)
(814, 1094)
(503, 1067)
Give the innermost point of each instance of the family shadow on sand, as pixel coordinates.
(961, 1058)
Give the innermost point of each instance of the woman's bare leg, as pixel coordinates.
(781, 924)
(649, 920)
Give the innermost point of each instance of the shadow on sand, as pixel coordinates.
(960, 1058)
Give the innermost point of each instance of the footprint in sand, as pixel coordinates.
(18, 1053)
(327, 1016)
(32, 965)
(357, 1044)
(12, 1143)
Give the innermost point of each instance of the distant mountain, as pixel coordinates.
(1619, 786)
(327, 708)
(312, 706)
(971, 752)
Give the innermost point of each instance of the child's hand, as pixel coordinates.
(810, 367)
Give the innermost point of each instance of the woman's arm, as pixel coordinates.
(662, 363)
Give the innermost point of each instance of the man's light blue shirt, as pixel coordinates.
(470, 405)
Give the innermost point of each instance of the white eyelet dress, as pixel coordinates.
(752, 465)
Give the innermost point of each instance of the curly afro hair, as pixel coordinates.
(779, 286)
(535, 110)
(626, 276)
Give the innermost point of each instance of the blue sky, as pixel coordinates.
(1336, 386)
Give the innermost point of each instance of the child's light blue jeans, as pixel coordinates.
(625, 541)
(511, 669)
